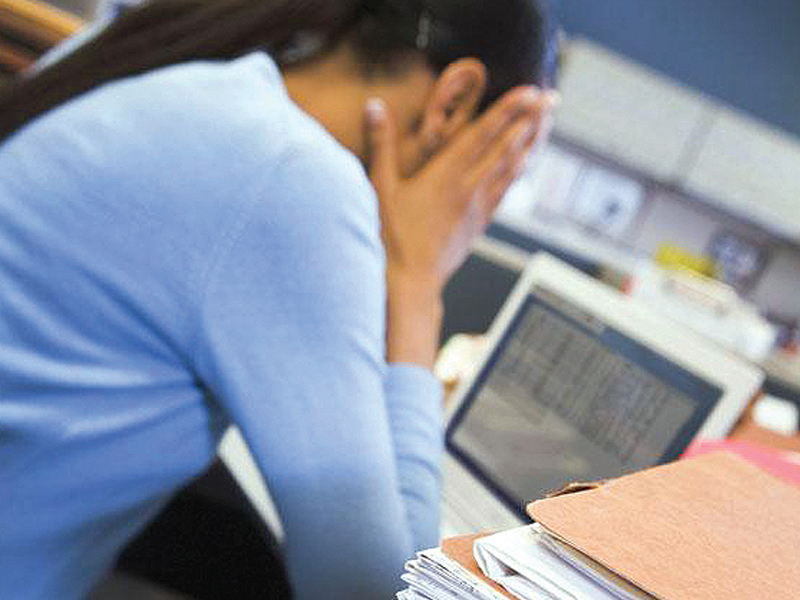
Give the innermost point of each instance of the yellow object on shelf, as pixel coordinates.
(675, 257)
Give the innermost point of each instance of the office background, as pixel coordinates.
(742, 52)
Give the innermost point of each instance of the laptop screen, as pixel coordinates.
(566, 398)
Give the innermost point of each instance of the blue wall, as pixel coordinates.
(743, 52)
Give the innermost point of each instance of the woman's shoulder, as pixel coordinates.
(215, 104)
(219, 123)
(206, 138)
(235, 126)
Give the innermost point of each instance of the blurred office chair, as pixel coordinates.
(209, 543)
(28, 28)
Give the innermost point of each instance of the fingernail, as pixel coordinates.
(376, 110)
(552, 99)
(530, 95)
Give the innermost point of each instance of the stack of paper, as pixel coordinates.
(525, 562)
(448, 573)
(708, 527)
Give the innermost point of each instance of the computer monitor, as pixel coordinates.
(581, 383)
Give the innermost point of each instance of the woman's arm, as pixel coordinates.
(292, 344)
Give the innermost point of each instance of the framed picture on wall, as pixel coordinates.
(740, 261)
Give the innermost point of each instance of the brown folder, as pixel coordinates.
(459, 549)
(712, 527)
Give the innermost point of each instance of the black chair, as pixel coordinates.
(210, 544)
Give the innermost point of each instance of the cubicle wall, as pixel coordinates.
(639, 161)
(741, 52)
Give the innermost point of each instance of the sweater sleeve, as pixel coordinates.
(291, 345)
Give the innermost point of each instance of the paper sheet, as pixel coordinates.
(524, 562)
(434, 575)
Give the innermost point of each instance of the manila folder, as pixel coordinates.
(709, 527)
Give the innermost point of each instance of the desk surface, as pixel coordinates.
(784, 367)
(748, 431)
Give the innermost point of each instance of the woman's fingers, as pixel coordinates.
(500, 165)
(497, 187)
(384, 170)
(515, 141)
(497, 169)
(516, 104)
(518, 137)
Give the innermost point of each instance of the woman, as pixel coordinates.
(187, 240)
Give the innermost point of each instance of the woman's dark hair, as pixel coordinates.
(509, 36)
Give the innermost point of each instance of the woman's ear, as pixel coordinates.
(453, 102)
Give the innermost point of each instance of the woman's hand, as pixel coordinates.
(429, 221)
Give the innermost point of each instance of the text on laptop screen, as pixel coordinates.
(566, 398)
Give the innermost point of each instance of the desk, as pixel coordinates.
(783, 375)
(748, 431)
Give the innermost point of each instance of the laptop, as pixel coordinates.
(578, 383)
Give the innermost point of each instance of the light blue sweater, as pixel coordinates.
(179, 251)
